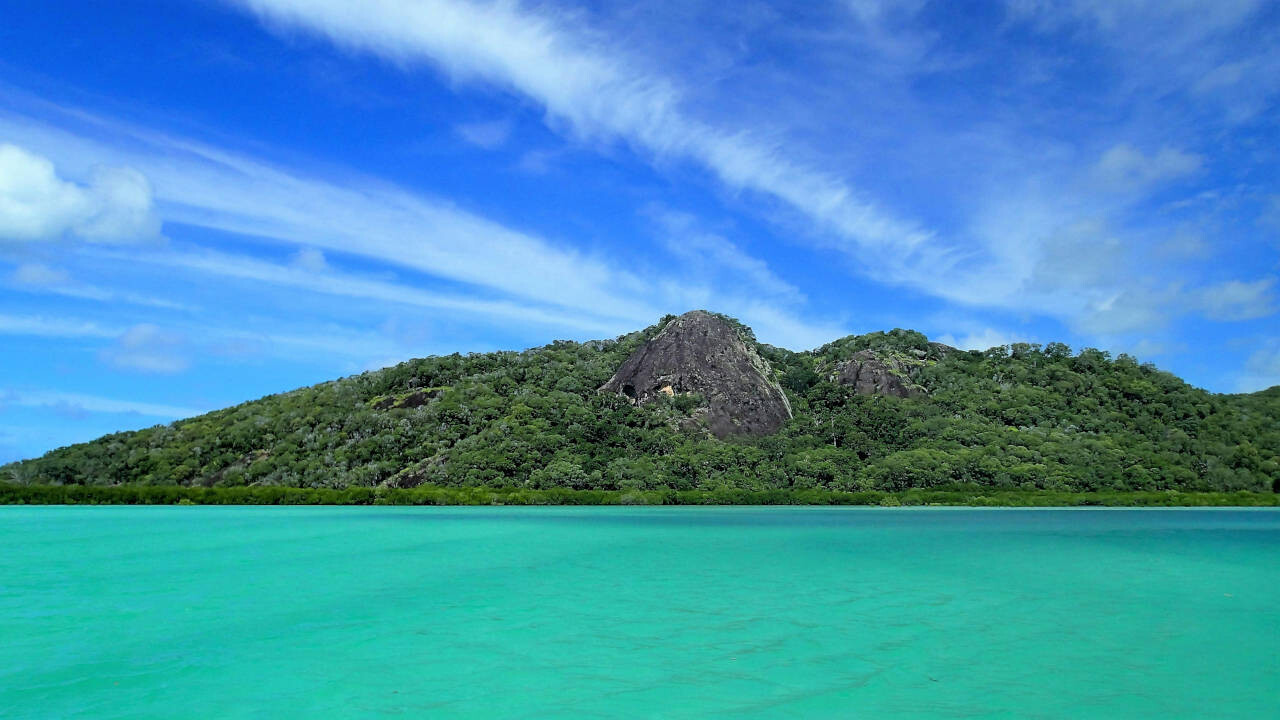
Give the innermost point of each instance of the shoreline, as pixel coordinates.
(443, 496)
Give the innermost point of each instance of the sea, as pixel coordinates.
(638, 612)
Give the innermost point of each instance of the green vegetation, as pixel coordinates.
(432, 495)
(1006, 425)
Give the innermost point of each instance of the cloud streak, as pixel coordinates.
(94, 404)
(485, 135)
(309, 273)
(38, 277)
(150, 348)
(1262, 368)
(53, 327)
(1126, 169)
(528, 278)
(1005, 254)
(205, 186)
(596, 93)
(1235, 300)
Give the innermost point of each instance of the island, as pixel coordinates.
(694, 410)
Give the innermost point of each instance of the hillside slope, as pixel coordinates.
(881, 411)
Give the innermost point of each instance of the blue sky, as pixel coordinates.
(204, 202)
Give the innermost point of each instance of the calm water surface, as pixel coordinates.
(122, 612)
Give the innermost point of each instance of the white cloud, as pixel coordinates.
(593, 90)
(150, 348)
(1147, 347)
(309, 259)
(487, 135)
(93, 404)
(983, 339)
(1124, 168)
(1121, 16)
(882, 27)
(354, 346)
(536, 162)
(1184, 244)
(777, 327)
(770, 323)
(53, 327)
(1078, 259)
(36, 204)
(1129, 310)
(205, 186)
(1029, 247)
(1009, 254)
(1060, 260)
(1262, 369)
(1236, 300)
(38, 277)
(1270, 216)
(702, 253)
(514, 276)
(331, 282)
(1165, 47)
(146, 348)
(123, 211)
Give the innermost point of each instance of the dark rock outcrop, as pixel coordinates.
(940, 350)
(417, 398)
(700, 352)
(870, 373)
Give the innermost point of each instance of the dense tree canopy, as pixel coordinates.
(1013, 417)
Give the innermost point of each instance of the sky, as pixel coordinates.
(205, 202)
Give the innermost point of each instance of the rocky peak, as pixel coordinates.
(700, 352)
(870, 373)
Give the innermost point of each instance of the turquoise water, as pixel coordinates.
(124, 612)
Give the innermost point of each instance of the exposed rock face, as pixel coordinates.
(702, 353)
(417, 398)
(940, 349)
(872, 374)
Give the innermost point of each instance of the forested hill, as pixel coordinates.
(883, 411)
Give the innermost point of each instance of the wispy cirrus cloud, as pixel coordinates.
(596, 92)
(1269, 218)
(147, 348)
(1187, 48)
(42, 278)
(1002, 196)
(156, 349)
(79, 402)
(40, 275)
(702, 252)
(1124, 168)
(983, 339)
(309, 271)
(1262, 369)
(1027, 193)
(488, 135)
(525, 276)
(205, 186)
(53, 327)
(1235, 300)
(309, 260)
